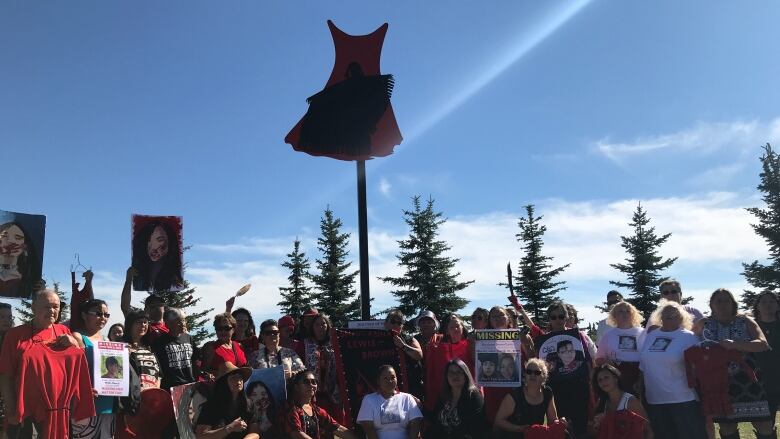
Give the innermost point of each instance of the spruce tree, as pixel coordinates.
(766, 276)
(24, 310)
(297, 297)
(186, 300)
(428, 282)
(643, 266)
(535, 277)
(335, 294)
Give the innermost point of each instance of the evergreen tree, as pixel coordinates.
(643, 266)
(297, 297)
(24, 310)
(766, 276)
(335, 294)
(535, 278)
(428, 282)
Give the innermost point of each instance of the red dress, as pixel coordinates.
(707, 371)
(54, 386)
(76, 299)
(353, 106)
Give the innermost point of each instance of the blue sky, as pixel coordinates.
(580, 107)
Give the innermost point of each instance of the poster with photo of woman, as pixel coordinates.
(157, 253)
(266, 392)
(21, 253)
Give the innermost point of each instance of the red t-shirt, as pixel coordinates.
(224, 354)
(155, 330)
(19, 339)
(249, 345)
(436, 357)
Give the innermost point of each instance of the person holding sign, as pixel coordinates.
(95, 314)
(460, 411)
(226, 414)
(388, 413)
(271, 354)
(527, 405)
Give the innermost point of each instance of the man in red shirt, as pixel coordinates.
(46, 311)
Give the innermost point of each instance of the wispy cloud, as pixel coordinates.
(385, 187)
(702, 138)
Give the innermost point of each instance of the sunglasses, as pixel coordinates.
(311, 382)
(99, 314)
(270, 332)
(558, 317)
(223, 328)
(536, 372)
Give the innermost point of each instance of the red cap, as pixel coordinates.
(286, 321)
(311, 312)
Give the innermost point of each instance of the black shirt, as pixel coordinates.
(175, 355)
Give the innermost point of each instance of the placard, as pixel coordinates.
(111, 368)
(157, 253)
(21, 253)
(498, 357)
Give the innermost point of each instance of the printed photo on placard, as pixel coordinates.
(157, 253)
(112, 368)
(498, 357)
(21, 253)
(266, 392)
(564, 354)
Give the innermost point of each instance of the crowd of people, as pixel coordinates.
(676, 375)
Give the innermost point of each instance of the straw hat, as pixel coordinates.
(228, 368)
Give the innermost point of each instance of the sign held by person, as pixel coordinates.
(112, 368)
(498, 359)
(21, 253)
(157, 253)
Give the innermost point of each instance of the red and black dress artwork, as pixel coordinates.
(351, 118)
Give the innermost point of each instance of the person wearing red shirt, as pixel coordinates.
(287, 334)
(453, 345)
(46, 310)
(225, 349)
(302, 418)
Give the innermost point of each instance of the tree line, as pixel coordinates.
(431, 281)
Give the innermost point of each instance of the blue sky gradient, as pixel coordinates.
(180, 108)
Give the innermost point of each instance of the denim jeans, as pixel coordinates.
(682, 420)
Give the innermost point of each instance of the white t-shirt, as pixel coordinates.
(601, 328)
(391, 417)
(662, 362)
(621, 344)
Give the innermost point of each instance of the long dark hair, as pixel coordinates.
(221, 404)
(250, 331)
(170, 265)
(602, 396)
(756, 312)
(271, 412)
(27, 264)
(134, 315)
(468, 388)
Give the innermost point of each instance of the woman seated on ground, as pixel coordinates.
(611, 400)
(226, 414)
(527, 405)
(460, 411)
(388, 413)
(271, 354)
(302, 418)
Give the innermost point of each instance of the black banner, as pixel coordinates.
(359, 354)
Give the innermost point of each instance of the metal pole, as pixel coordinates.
(365, 295)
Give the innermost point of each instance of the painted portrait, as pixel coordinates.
(157, 253)
(266, 393)
(21, 253)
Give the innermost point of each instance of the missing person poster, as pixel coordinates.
(498, 359)
(111, 368)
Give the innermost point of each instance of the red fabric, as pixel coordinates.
(155, 330)
(555, 431)
(493, 398)
(250, 345)
(76, 299)
(537, 331)
(154, 416)
(291, 420)
(52, 380)
(224, 354)
(20, 338)
(707, 371)
(436, 357)
(622, 424)
(364, 50)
